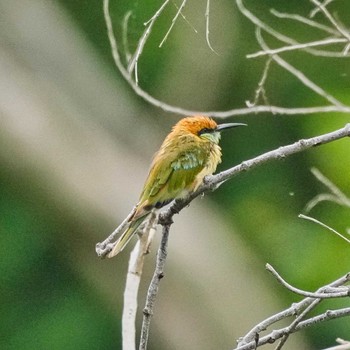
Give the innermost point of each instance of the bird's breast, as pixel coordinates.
(212, 161)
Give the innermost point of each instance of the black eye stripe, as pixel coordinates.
(205, 131)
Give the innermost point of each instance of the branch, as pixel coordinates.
(126, 73)
(179, 11)
(336, 194)
(328, 41)
(325, 226)
(332, 20)
(279, 333)
(306, 21)
(252, 340)
(297, 73)
(154, 286)
(324, 294)
(207, 26)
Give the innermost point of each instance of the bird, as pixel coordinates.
(190, 152)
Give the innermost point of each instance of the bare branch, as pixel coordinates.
(291, 328)
(260, 91)
(219, 114)
(297, 73)
(183, 4)
(332, 187)
(207, 14)
(305, 21)
(324, 225)
(149, 25)
(317, 9)
(125, 35)
(324, 295)
(279, 333)
(154, 286)
(279, 36)
(336, 195)
(248, 341)
(329, 41)
(331, 19)
(186, 20)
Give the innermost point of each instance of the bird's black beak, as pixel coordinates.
(221, 127)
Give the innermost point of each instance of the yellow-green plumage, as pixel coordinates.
(187, 155)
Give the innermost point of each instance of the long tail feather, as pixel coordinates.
(126, 236)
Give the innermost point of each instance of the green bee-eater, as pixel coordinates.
(189, 153)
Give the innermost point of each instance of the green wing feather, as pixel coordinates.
(171, 175)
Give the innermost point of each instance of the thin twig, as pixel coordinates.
(125, 35)
(336, 195)
(324, 295)
(324, 225)
(149, 25)
(317, 9)
(260, 91)
(331, 19)
(297, 73)
(332, 187)
(185, 19)
(173, 22)
(329, 41)
(279, 36)
(207, 26)
(305, 21)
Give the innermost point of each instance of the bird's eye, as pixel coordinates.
(204, 131)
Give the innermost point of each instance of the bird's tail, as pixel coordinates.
(126, 236)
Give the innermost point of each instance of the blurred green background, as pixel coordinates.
(75, 145)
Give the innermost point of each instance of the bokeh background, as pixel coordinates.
(75, 146)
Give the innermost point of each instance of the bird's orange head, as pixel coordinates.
(204, 128)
